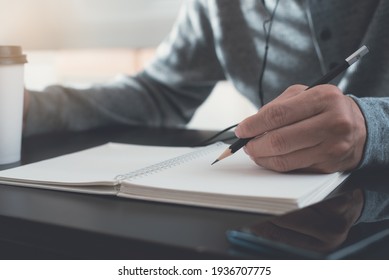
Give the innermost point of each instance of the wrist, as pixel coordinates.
(360, 133)
(376, 149)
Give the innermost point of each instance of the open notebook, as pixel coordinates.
(176, 175)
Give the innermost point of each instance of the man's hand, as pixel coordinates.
(319, 130)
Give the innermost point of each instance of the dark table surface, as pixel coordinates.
(44, 224)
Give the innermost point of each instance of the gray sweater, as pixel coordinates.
(216, 40)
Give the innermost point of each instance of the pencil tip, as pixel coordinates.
(225, 154)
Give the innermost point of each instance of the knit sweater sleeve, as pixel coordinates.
(376, 113)
(166, 93)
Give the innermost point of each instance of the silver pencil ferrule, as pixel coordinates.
(357, 55)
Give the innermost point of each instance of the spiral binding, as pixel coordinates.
(167, 164)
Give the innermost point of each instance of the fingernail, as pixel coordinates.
(238, 132)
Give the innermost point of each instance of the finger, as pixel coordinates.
(287, 139)
(286, 111)
(317, 161)
(298, 160)
(291, 92)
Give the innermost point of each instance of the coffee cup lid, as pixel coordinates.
(12, 55)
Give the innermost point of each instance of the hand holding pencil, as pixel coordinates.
(318, 130)
(314, 128)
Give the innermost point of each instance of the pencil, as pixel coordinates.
(323, 80)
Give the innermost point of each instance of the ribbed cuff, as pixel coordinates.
(376, 115)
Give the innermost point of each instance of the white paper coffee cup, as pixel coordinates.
(12, 62)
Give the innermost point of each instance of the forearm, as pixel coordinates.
(167, 93)
(138, 100)
(376, 113)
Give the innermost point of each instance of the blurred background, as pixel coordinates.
(79, 42)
